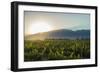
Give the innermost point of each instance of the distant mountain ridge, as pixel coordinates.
(60, 34)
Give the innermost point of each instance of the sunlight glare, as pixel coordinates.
(40, 26)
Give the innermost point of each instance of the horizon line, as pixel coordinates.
(55, 30)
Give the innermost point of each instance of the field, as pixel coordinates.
(50, 49)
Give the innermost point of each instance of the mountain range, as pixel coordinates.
(60, 34)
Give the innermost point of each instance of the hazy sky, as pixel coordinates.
(73, 21)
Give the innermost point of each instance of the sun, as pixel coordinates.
(40, 26)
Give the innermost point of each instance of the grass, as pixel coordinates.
(50, 49)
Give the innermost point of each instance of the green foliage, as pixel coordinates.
(56, 49)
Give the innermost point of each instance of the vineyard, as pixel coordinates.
(51, 49)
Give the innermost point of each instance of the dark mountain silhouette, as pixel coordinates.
(60, 34)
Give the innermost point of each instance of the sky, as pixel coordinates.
(45, 21)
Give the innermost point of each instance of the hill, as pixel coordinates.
(60, 34)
